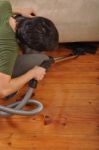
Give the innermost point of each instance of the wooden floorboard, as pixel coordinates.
(70, 119)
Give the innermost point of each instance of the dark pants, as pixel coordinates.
(24, 63)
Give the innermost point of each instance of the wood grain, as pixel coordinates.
(70, 119)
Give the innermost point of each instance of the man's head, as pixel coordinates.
(38, 34)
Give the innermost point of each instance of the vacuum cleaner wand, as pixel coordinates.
(47, 63)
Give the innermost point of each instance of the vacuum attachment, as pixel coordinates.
(81, 48)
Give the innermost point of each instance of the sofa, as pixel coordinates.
(76, 20)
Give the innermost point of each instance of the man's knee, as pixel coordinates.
(44, 57)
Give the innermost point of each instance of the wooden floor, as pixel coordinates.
(70, 119)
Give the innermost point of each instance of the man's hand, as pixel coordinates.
(38, 73)
(26, 12)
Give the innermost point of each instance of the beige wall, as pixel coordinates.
(76, 20)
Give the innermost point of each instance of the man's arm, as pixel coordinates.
(9, 86)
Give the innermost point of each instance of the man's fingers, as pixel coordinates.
(40, 77)
(30, 16)
(33, 14)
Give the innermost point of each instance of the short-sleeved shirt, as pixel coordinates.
(8, 44)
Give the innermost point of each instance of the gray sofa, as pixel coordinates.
(76, 20)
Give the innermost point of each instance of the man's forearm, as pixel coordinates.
(16, 83)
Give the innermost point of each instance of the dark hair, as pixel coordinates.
(38, 34)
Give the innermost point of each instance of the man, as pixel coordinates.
(15, 71)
